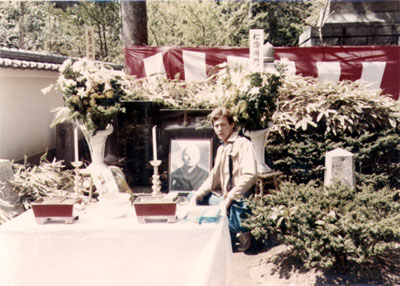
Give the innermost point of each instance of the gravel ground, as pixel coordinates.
(258, 268)
(269, 267)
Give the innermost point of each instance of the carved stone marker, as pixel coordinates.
(6, 189)
(339, 164)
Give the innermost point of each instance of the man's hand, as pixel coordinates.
(225, 204)
(193, 200)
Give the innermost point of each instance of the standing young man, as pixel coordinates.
(232, 177)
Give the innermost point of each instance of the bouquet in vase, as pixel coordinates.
(92, 93)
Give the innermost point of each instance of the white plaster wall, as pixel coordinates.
(25, 113)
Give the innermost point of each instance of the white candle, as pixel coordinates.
(154, 143)
(76, 147)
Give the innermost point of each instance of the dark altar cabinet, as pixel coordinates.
(135, 139)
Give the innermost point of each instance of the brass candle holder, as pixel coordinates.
(77, 178)
(156, 187)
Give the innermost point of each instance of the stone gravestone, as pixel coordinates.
(339, 164)
(6, 189)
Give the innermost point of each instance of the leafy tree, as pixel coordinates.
(22, 24)
(68, 30)
(225, 23)
(282, 21)
(188, 23)
(39, 26)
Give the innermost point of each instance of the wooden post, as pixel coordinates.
(90, 47)
(256, 50)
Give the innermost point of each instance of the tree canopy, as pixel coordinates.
(44, 26)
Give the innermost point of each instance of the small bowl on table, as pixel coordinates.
(114, 205)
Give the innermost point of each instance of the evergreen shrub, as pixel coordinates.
(333, 227)
(313, 118)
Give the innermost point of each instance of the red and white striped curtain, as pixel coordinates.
(378, 66)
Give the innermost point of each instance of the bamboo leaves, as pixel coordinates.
(336, 107)
(46, 179)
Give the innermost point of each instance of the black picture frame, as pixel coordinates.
(185, 178)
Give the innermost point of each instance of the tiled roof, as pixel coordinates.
(22, 59)
(17, 64)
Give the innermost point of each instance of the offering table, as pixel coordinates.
(97, 250)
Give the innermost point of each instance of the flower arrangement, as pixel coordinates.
(251, 97)
(92, 93)
(177, 94)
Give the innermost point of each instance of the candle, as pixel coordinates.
(154, 143)
(76, 147)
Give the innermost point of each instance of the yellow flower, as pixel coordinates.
(94, 95)
(89, 110)
(75, 99)
(85, 102)
(92, 102)
(109, 93)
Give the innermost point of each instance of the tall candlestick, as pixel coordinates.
(154, 143)
(76, 147)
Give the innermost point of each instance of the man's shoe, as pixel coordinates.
(244, 240)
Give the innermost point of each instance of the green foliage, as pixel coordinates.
(250, 96)
(313, 118)
(335, 227)
(252, 99)
(224, 23)
(92, 92)
(176, 94)
(22, 24)
(105, 17)
(282, 21)
(32, 182)
(39, 26)
(5, 214)
(185, 23)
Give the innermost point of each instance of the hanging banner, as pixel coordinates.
(378, 66)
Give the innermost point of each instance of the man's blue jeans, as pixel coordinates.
(236, 212)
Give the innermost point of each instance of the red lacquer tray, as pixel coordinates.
(150, 209)
(54, 208)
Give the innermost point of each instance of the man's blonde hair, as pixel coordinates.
(219, 112)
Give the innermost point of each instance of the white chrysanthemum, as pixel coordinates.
(107, 85)
(245, 85)
(64, 65)
(254, 90)
(82, 92)
(89, 84)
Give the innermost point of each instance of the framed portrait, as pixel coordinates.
(189, 163)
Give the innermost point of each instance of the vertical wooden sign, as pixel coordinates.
(90, 51)
(256, 50)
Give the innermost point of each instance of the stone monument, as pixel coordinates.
(339, 164)
(6, 189)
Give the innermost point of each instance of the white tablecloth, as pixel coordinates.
(96, 251)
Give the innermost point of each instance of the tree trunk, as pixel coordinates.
(134, 23)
